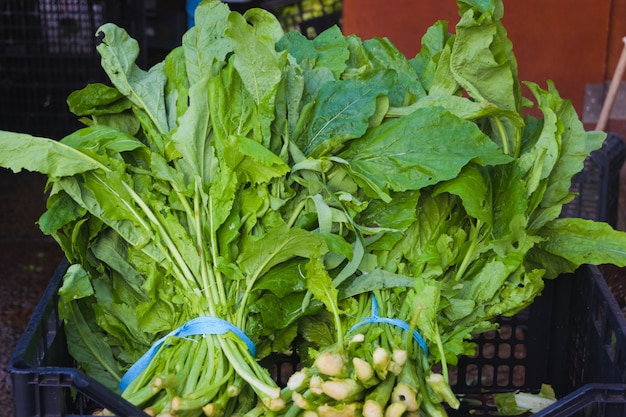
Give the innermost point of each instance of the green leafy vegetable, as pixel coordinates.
(327, 197)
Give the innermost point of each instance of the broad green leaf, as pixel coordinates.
(124, 122)
(320, 284)
(472, 187)
(284, 278)
(206, 45)
(461, 107)
(177, 86)
(299, 47)
(384, 55)
(481, 47)
(510, 203)
(444, 81)
(341, 112)
(232, 108)
(328, 51)
(426, 298)
(293, 79)
(191, 138)
(431, 145)
(582, 241)
(146, 90)
(332, 49)
(277, 312)
(426, 62)
(258, 66)
(266, 25)
(97, 99)
(85, 340)
(106, 198)
(87, 345)
(483, 286)
(99, 137)
(573, 143)
(279, 245)
(376, 280)
(76, 284)
(61, 210)
(492, 7)
(399, 214)
(258, 162)
(22, 151)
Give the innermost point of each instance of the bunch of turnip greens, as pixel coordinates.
(330, 194)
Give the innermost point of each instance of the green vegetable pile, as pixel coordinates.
(329, 198)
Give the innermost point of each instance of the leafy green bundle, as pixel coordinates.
(377, 212)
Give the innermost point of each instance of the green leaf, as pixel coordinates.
(97, 138)
(491, 7)
(266, 25)
(483, 63)
(573, 143)
(76, 284)
(258, 66)
(97, 99)
(426, 62)
(146, 90)
(398, 214)
(61, 210)
(21, 151)
(192, 137)
(177, 86)
(258, 162)
(284, 278)
(378, 279)
(430, 144)
(582, 241)
(206, 45)
(341, 112)
(86, 342)
(479, 49)
(332, 49)
(277, 246)
(384, 55)
(472, 187)
(461, 107)
(320, 284)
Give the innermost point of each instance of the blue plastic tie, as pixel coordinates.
(374, 318)
(199, 325)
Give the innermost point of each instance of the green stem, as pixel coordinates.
(503, 135)
(214, 248)
(162, 231)
(442, 354)
(207, 285)
(471, 251)
(295, 213)
(235, 357)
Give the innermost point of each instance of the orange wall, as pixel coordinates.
(572, 42)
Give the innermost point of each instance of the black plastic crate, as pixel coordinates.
(597, 184)
(573, 337)
(48, 50)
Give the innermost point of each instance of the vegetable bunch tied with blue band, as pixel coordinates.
(258, 192)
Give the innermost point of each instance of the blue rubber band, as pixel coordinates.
(199, 325)
(374, 318)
